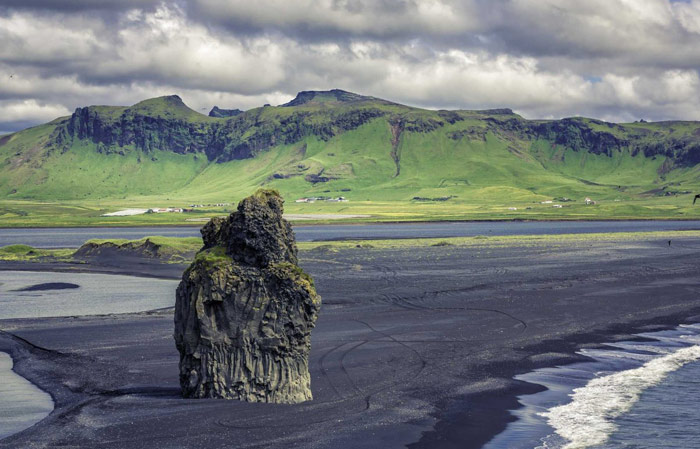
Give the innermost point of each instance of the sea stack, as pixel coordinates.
(244, 309)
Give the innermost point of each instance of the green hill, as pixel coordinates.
(387, 159)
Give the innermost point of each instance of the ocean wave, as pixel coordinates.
(642, 348)
(614, 354)
(589, 419)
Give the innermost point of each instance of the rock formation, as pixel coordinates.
(219, 113)
(245, 310)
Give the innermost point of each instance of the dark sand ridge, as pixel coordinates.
(48, 286)
(413, 347)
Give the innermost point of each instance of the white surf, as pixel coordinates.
(589, 419)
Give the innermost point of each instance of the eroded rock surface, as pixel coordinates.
(245, 310)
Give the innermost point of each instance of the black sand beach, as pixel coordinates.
(414, 347)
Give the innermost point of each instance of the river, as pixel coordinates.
(74, 237)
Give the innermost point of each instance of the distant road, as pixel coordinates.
(74, 237)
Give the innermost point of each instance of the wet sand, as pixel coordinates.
(413, 347)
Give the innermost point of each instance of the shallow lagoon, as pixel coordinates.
(96, 294)
(21, 403)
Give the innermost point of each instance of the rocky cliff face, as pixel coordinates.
(137, 129)
(167, 124)
(244, 310)
(580, 136)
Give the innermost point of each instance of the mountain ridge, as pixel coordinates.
(340, 141)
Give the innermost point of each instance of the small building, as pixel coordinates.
(547, 202)
(588, 201)
(558, 206)
(512, 208)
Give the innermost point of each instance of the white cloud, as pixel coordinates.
(30, 110)
(35, 39)
(165, 45)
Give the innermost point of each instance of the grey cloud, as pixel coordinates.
(77, 5)
(650, 32)
(337, 20)
(611, 59)
(639, 32)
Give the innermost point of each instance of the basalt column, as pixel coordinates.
(245, 309)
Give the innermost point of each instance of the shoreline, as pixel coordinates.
(469, 422)
(34, 404)
(494, 420)
(465, 406)
(596, 401)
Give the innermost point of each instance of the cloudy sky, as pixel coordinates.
(618, 60)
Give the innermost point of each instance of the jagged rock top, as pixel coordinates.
(222, 113)
(321, 96)
(256, 234)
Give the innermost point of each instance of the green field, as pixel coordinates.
(378, 155)
(166, 249)
(76, 213)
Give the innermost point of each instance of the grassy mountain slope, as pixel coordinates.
(387, 159)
